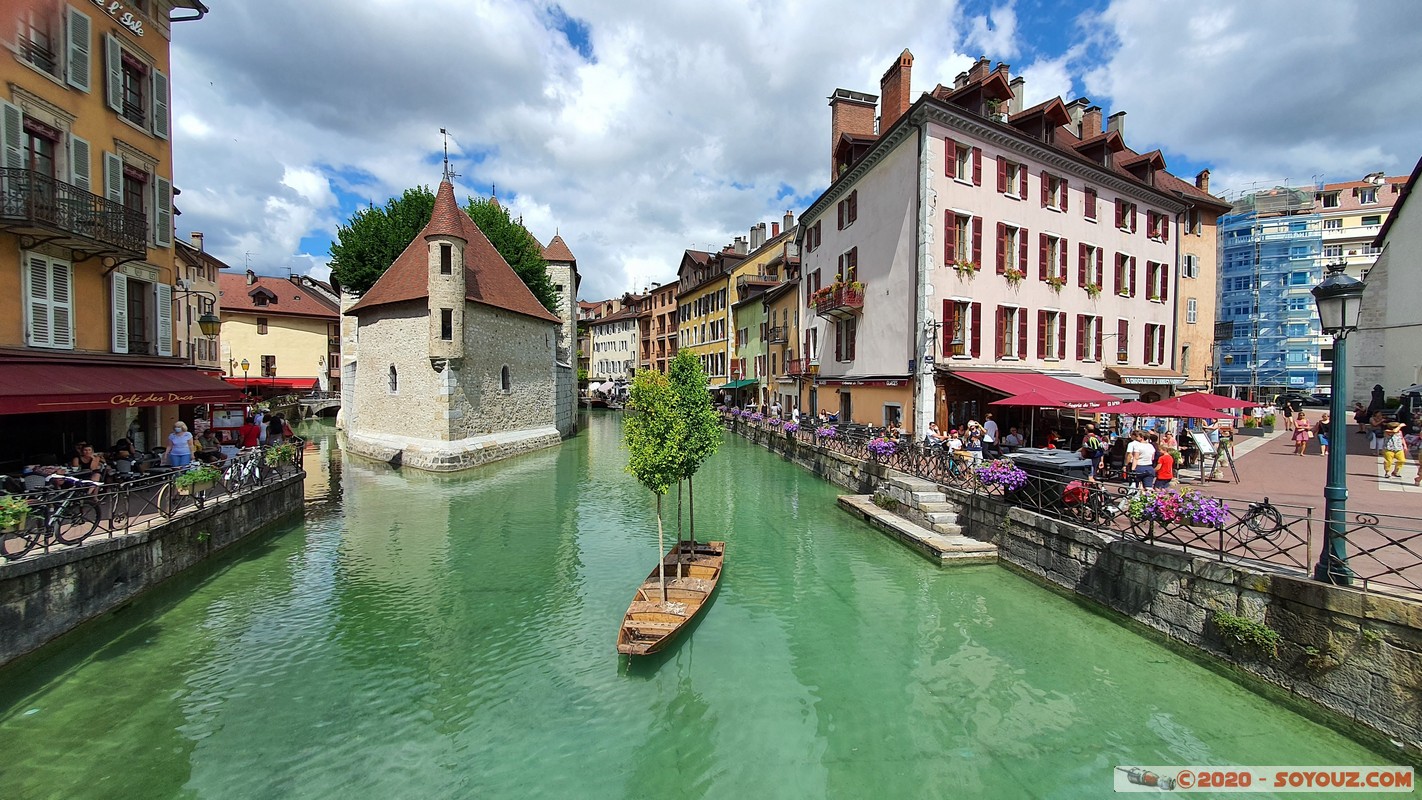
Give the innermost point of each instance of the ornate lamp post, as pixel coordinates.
(1340, 300)
(246, 386)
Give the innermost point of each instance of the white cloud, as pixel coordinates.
(994, 34)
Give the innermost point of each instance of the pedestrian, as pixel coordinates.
(973, 442)
(1302, 433)
(1289, 410)
(1164, 462)
(274, 430)
(1360, 416)
(180, 445)
(1375, 431)
(1322, 431)
(989, 432)
(1394, 450)
(261, 421)
(1092, 450)
(1140, 461)
(250, 434)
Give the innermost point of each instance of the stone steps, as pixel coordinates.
(945, 543)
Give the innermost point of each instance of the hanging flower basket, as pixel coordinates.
(791, 427)
(196, 481)
(1056, 283)
(1168, 506)
(1093, 290)
(966, 269)
(1013, 276)
(826, 432)
(14, 511)
(881, 448)
(1002, 473)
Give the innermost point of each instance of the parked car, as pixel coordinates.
(1302, 399)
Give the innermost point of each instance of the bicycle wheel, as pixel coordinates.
(18, 543)
(76, 521)
(167, 500)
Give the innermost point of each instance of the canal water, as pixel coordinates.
(453, 637)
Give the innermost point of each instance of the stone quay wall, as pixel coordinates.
(1356, 657)
(44, 597)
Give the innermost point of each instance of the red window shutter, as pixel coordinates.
(1021, 333)
(1080, 337)
(1045, 254)
(1001, 247)
(1149, 345)
(1164, 281)
(1046, 195)
(977, 325)
(1120, 273)
(838, 342)
(950, 158)
(950, 238)
(1061, 334)
(1131, 269)
(853, 205)
(1042, 334)
(950, 310)
(1065, 194)
(1165, 227)
(1001, 322)
(1080, 264)
(978, 241)
(1100, 337)
(1160, 344)
(1062, 259)
(977, 166)
(1123, 338)
(853, 273)
(1022, 250)
(1119, 215)
(1091, 203)
(1022, 181)
(1002, 175)
(839, 209)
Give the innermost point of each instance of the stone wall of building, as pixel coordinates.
(566, 377)
(493, 339)
(1355, 656)
(42, 598)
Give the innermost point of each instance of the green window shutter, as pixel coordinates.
(165, 319)
(162, 212)
(37, 304)
(61, 298)
(119, 304)
(12, 136)
(113, 73)
(160, 105)
(77, 72)
(80, 167)
(113, 177)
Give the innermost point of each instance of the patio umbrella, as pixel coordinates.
(1182, 408)
(1030, 399)
(1133, 408)
(1216, 401)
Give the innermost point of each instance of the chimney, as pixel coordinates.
(1075, 109)
(894, 88)
(789, 221)
(757, 236)
(1091, 122)
(251, 277)
(774, 229)
(979, 69)
(1117, 122)
(740, 246)
(960, 81)
(196, 238)
(1018, 85)
(1202, 181)
(852, 113)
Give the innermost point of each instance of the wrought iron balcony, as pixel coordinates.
(839, 301)
(50, 210)
(797, 367)
(750, 283)
(778, 335)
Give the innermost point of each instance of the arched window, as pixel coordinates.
(505, 381)
(394, 380)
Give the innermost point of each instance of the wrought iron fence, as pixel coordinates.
(68, 511)
(1384, 552)
(31, 197)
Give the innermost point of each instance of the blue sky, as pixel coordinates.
(637, 134)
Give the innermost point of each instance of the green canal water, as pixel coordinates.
(452, 637)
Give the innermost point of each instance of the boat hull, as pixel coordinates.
(652, 623)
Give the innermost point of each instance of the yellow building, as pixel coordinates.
(704, 308)
(196, 298)
(286, 331)
(758, 347)
(86, 230)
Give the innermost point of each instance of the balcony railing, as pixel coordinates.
(37, 203)
(842, 300)
(778, 335)
(762, 281)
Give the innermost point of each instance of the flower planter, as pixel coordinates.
(18, 524)
(196, 488)
(1258, 430)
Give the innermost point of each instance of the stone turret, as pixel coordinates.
(445, 245)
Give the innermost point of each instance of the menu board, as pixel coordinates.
(227, 417)
(1202, 443)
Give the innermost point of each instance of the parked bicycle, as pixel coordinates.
(65, 515)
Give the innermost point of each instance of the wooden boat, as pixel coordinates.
(651, 623)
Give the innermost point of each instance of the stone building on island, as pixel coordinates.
(456, 361)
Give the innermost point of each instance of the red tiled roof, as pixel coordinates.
(238, 297)
(488, 279)
(557, 250)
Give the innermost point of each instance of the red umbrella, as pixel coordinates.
(1030, 399)
(1216, 401)
(1134, 408)
(1182, 408)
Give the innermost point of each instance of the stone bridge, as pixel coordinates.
(319, 406)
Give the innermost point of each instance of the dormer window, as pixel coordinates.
(262, 296)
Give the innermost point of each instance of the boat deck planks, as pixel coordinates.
(650, 623)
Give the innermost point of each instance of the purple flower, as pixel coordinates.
(757, 417)
(791, 427)
(774, 422)
(1002, 473)
(883, 448)
(825, 432)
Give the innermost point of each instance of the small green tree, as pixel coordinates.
(703, 426)
(375, 236)
(655, 436)
(517, 246)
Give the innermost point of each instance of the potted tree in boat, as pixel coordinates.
(674, 431)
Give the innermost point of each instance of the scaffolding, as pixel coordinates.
(1271, 247)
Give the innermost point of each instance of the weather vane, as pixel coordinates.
(449, 175)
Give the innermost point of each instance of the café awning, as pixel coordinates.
(1016, 383)
(304, 384)
(38, 387)
(740, 384)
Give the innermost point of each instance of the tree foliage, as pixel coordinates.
(367, 245)
(693, 404)
(654, 433)
(517, 246)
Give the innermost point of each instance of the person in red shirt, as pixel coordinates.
(250, 433)
(1164, 463)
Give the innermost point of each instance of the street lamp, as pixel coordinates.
(208, 322)
(246, 383)
(1340, 300)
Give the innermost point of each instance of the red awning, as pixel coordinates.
(274, 383)
(1017, 383)
(30, 388)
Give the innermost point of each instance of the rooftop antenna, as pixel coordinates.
(449, 174)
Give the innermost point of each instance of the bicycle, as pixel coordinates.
(1263, 520)
(67, 515)
(171, 498)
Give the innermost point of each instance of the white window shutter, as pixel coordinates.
(12, 136)
(80, 167)
(79, 63)
(165, 319)
(113, 177)
(119, 297)
(37, 304)
(160, 105)
(61, 295)
(162, 212)
(113, 72)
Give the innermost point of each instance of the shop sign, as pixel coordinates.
(167, 398)
(1152, 381)
(122, 16)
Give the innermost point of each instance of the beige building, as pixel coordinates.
(1196, 295)
(196, 296)
(285, 330)
(1386, 350)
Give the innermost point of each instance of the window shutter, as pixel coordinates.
(1080, 337)
(1091, 203)
(1123, 340)
(853, 205)
(1065, 194)
(950, 238)
(1022, 181)
(1021, 333)
(37, 302)
(1002, 175)
(977, 166)
(1119, 215)
(12, 135)
(162, 212)
(1120, 274)
(1131, 270)
(838, 342)
(80, 166)
(851, 272)
(1164, 281)
(1042, 323)
(976, 321)
(978, 241)
(77, 71)
(1080, 264)
(118, 297)
(1001, 247)
(839, 211)
(165, 319)
(1044, 256)
(950, 310)
(950, 158)
(1000, 324)
(1062, 259)
(1149, 344)
(160, 105)
(1022, 250)
(1061, 334)
(1160, 344)
(113, 73)
(113, 177)
(1046, 193)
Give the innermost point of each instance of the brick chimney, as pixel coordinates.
(196, 238)
(1018, 85)
(960, 81)
(774, 229)
(852, 113)
(1117, 122)
(1202, 180)
(1091, 122)
(980, 69)
(894, 88)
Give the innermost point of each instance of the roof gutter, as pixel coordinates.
(196, 6)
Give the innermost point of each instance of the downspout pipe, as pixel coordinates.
(922, 338)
